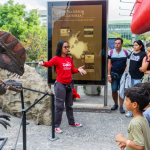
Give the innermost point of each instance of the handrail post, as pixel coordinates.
(36, 67)
(53, 120)
(22, 101)
(24, 129)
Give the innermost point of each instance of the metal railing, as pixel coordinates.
(35, 64)
(3, 143)
(40, 70)
(23, 120)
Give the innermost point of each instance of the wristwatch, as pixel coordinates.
(109, 75)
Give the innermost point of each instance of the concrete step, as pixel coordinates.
(97, 108)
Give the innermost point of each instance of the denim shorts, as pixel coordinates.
(115, 84)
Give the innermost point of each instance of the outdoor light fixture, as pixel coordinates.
(126, 2)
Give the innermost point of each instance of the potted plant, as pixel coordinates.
(92, 90)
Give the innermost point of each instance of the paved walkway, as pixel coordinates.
(98, 131)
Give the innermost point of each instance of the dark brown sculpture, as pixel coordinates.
(3, 122)
(12, 59)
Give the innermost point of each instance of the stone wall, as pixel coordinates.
(11, 101)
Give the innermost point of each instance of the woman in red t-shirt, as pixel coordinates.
(64, 67)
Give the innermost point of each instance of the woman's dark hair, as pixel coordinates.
(58, 50)
(139, 42)
(139, 95)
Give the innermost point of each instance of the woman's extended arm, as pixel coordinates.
(41, 63)
(80, 69)
(144, 65)
(50, 63)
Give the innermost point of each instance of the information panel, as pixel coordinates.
(83, 25)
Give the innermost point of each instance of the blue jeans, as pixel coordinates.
(133, 82)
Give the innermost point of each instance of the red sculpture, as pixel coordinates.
(75, 95)
(141, 17)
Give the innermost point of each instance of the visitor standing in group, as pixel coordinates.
(117, 58)
(136, 59)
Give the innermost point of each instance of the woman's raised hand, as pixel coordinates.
(140, 69)
(81, 70)
(41, 63)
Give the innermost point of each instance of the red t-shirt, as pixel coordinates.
(64, 68)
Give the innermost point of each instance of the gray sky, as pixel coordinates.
(113, 7)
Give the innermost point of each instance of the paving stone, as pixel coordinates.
(98, 132)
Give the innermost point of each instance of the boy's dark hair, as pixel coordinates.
(119, 39)
(146, 86)
(139, 95)
(138, 85)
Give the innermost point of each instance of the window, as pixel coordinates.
(43, 15)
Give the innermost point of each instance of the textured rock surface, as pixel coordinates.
(11, 101)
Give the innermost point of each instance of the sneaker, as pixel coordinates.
(114, 107)
(58, 130)
(77, 125)
(121, 110)
(129, 114)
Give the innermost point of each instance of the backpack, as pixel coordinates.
(111, 52)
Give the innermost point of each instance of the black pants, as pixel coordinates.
(63, 96)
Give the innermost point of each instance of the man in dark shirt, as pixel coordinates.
(117, 63)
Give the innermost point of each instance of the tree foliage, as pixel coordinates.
(126, 42)
(26, 27)
(114, 35)
(11, 18)
(144, 38)
(36, 44)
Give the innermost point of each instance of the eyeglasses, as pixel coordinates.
(117, 43)
(66, 47)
